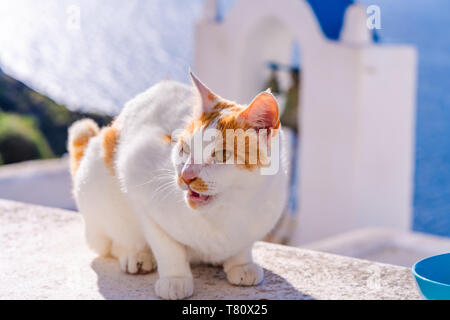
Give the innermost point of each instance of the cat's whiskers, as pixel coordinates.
(167, 183)
(171, 191)
(165, 174)
(166, 188)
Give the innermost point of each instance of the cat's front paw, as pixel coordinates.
(174, 288)
(245, 275)
(141, 262)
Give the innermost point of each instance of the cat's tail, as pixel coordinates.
(80, 132)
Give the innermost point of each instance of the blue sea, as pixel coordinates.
(95, 56)
(425, 25)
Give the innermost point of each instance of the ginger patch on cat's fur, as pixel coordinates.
(198, 185)
(167, 138)
(110, 138)
(79, 135)
(225, 115)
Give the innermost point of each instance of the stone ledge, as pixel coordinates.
(403, 248)
(44, 256)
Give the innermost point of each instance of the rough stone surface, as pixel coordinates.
(44, 256)
(403, 248)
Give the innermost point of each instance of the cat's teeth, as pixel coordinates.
(197, 196)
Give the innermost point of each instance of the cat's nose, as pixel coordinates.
(190, 172)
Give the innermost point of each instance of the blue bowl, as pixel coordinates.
(433, 276)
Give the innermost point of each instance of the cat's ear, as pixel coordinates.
(208, 98)
(262, 112)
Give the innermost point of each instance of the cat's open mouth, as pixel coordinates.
(195, 199)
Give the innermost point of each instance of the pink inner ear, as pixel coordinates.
(262, 112)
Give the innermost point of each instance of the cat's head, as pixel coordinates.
(218, 156)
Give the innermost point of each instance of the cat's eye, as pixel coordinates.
(185, 147)
(222, 155)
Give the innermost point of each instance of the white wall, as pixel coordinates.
(357, 145)
(386, 117)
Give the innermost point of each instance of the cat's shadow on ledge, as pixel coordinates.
(210, 283)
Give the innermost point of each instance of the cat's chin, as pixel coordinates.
(196, 200)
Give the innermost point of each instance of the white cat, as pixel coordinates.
(147, 202)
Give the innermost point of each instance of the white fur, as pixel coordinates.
(141, 204)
